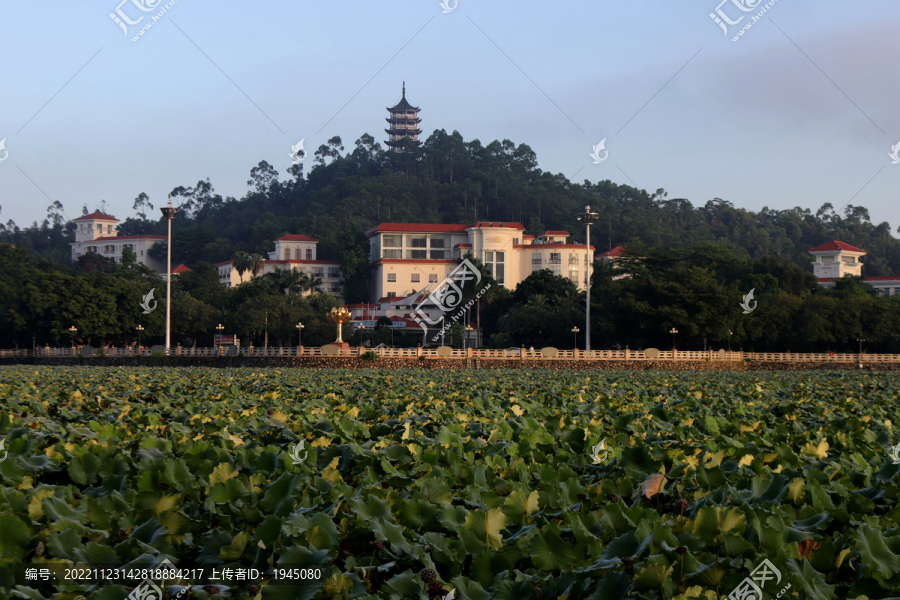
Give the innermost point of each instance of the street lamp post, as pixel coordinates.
(575, 331)
(220, 328)
(587, 217)
(730, 333)
(361, 328)
(859, 358)
(73, 331)
(468, 332)
(673, 331)
(169, 213)
(140, 330)
(300, 335)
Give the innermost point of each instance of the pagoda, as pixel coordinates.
(404, 122)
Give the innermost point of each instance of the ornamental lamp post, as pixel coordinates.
(72, 331)
(673, 331)
(300, 335)
(860, 340)
(140, 330)
(169, 213)
(220, 328)
(587, 217)
(575, 331)
(469, 330)
(361, 328)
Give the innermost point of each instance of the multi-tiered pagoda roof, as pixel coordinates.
(404, 121)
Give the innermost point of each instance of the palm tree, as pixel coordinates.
(312, 283)
(240, 263)
(255, 264)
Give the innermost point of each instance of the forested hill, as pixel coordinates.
(449, 180)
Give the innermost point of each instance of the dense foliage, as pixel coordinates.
(417, 483)
(450, 180)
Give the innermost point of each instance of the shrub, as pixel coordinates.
(370, 356)
(101, 352)
(159, 355)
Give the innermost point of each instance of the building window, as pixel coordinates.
(437, 242)
(392, 294)
(417, 241)
(555, 258)
(420, 254)
(99, 227)
(392, 278)
(573, 272)
(501, 274)
(432, 278)
(393, 254)
(515, 241)
(438, 254)
(501, 256)
(391, 241)
(318, 272)
(414, 278)
(309, 254)
(488, 257)
(555, 269)
(849, 260)
(142, 252)
(335, 288)
(537, 259)
(287, 254)
(109, 229)
(334, 272)
(573, 259)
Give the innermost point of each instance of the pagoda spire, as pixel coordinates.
(404, 122)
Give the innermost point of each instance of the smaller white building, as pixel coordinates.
(98, 233)
(835, 260)
(292, 252)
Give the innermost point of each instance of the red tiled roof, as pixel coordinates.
(831, 246)
(528, 236)
(295, 237)
(617, 251)
(414, 260)
(500, 224)
(98, 216)
(551, 246)
(418, 228)
(180, 269)
(222, 264)
(128, 237)
(555, 233)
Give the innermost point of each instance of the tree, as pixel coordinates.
(241, 263)
(141, 204)
(355, 267)
(255, 264)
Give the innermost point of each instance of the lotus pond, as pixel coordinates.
(490, 484)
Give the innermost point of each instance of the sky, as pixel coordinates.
(799, 111)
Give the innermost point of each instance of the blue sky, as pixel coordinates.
(800, 111)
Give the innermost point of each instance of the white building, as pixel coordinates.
(835, 259)
(295, 252)
(406, 257)
(97, 233)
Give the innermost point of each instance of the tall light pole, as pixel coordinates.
(140, 330)
(730, 333)
(587, 217)
(575, 331)
(169, 213)
(220, 328)
(361, 328)
(300, 335)
(859, 358)
(673, 331)
(468, 332)
(73, 330)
